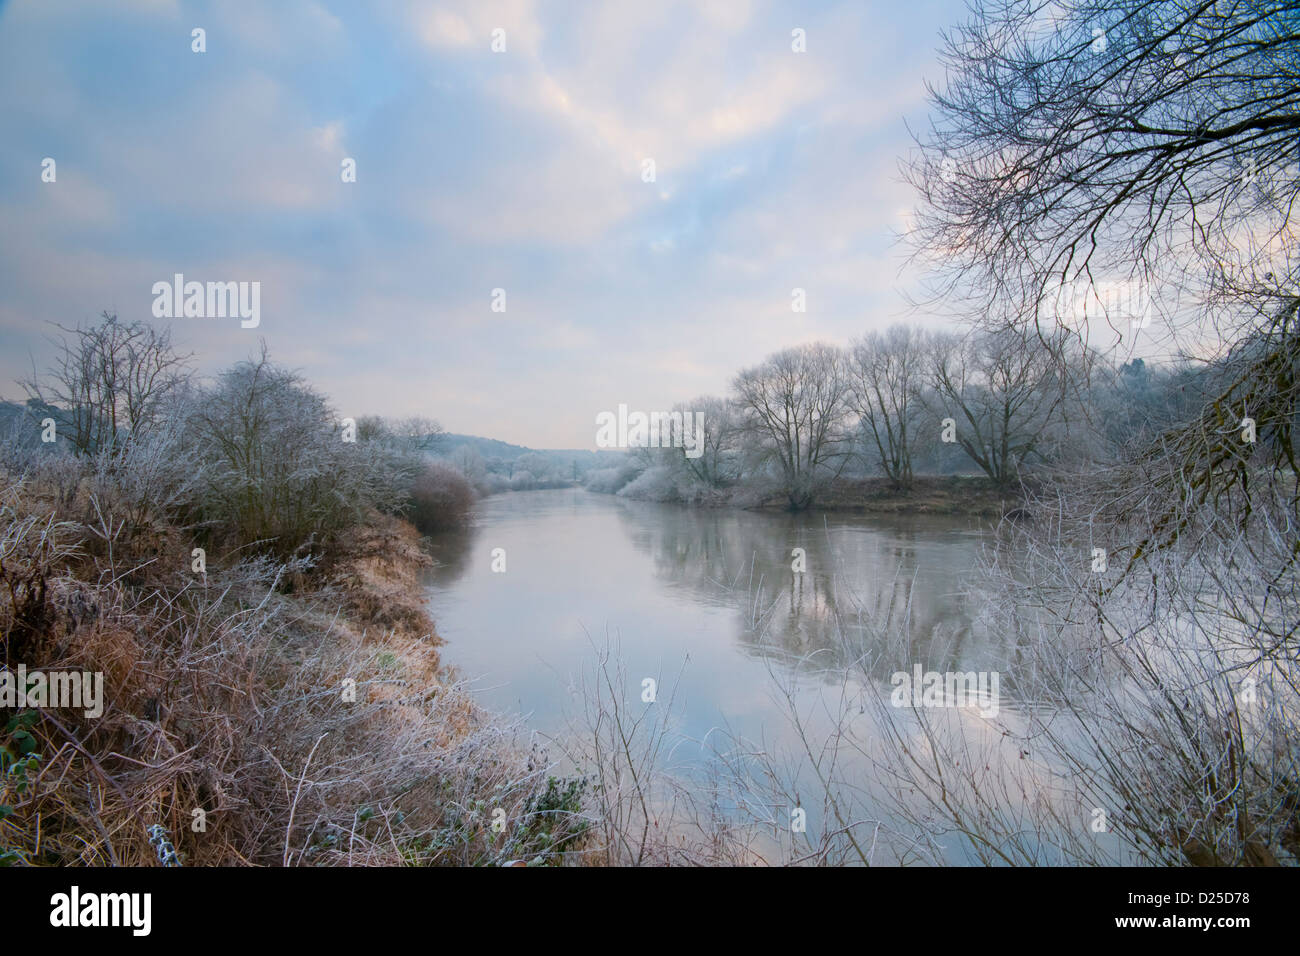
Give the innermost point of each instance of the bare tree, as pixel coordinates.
(1003, 391)
(467, 460)
(277, 470)
(886, 374)
(1147, 140)
(1156, 141)
(413, 435)
(420, 434)
(110, 380)
(794, 406)
(716, 466)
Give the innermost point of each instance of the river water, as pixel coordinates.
(707, 593)
(707, 603)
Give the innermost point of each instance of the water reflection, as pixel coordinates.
(712, 587)
(862, 576)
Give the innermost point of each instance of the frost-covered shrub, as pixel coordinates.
(441, 499)
(493, 484)
(523, 480)
(658, 483)
(274, 463)
(608, 481)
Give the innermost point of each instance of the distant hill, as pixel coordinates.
(487, 447)
(491, 448)
(493, 465)
(20, 423)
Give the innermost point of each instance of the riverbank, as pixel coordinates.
(956, 495)
(252, 711)
(932, 495)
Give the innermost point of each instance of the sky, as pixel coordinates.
(522, 169)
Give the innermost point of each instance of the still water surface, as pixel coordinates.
(698, 598)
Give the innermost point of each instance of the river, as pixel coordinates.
(710, 589)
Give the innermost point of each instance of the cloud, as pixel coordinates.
(475, 170)
(469, 25)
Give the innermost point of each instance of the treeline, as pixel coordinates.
(527, 471)
(908, 402)
(255, 458)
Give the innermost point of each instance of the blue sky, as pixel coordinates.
(476, 170)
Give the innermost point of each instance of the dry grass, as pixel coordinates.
(229, 699)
